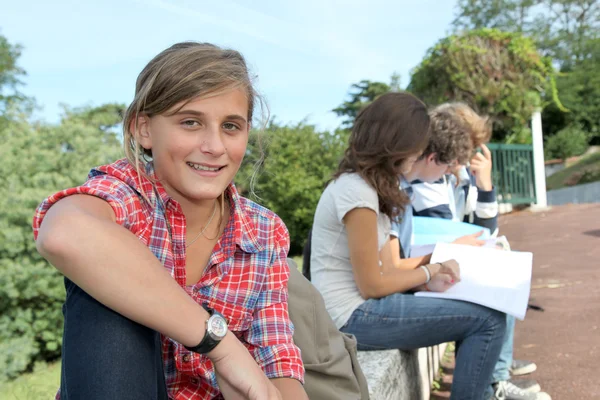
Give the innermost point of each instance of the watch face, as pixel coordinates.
(217, 326)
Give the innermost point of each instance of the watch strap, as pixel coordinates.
(208, 343)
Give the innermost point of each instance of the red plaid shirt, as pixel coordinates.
(246, 278)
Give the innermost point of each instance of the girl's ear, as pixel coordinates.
(431, 158)
(140, 128)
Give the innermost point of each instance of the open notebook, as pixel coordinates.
(493, 278)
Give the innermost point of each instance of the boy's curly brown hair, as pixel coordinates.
(456, 130)
(449, 140)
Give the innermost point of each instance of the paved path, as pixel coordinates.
(564, 340)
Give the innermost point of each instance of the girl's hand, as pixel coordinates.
(443, 276)
(481, 167)
(471, 240)
(449, 268)
(440, 283)
(238, 375)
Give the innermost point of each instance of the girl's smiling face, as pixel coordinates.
(198, 149)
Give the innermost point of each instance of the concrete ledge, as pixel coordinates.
(401, 375)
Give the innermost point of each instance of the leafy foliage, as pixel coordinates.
(568, 142)
(560, 28)
(10, 75)
(361, 94)
(566, 31)
(579, 88)
(564, 28)
(38, 160)
(498, 73)
(299, 161)
(506, 15)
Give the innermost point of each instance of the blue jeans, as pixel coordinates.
(502, 369)
(404, 321)
(107, 356)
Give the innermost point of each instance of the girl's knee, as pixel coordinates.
(497, 322)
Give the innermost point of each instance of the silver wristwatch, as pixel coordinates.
(216, 329)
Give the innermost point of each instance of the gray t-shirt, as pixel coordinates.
(331, 270)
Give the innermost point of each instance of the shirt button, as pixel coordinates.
(194, 381)
(186, 358)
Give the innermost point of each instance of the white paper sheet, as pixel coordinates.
(419, 250)
(494, 278)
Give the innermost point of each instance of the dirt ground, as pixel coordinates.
(564, 339)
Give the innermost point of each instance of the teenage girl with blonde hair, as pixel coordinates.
(176, 285)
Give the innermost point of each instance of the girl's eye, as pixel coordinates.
(230, 126)
(190, 123)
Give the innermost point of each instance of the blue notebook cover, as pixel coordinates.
(433, 230)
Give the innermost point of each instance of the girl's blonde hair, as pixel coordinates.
(477, 126)
(179, 74)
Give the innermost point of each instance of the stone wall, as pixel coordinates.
(401, 375)
(580, 194)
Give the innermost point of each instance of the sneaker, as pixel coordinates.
(528, 385)
(504, 390)
(522, 367)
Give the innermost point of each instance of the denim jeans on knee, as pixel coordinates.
(404, 321)
(107, 356)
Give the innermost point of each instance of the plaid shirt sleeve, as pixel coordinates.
(270, 335)
(117, 194)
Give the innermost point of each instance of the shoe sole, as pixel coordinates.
(534, 389)
(523, 370)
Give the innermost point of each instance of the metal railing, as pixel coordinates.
(512, 172)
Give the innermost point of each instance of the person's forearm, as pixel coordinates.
(114, 267)
(412, 263)
(484, 183)
(389, 255)
(290, 388)
(397, 281)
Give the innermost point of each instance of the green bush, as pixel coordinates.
(568, 142)
(38, 160)
(299, 162)
(501, 74)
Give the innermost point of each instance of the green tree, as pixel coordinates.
(106, 117)
(567, 31)
(564, 29)
(498, 73)
(560, 28)
(579, 88)
(361, 94)
(38, 160)
(506, 15)
(298, 161)
(12, 102)
(568, 142)
(395, 82)
(10, 74)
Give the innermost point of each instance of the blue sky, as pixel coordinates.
(305, 53)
